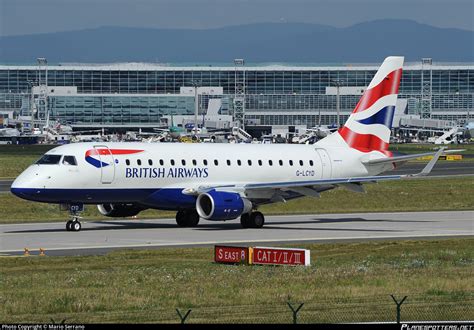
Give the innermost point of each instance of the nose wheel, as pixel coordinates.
(73, 225)
(74, 210)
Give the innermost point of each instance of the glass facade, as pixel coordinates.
(117, 109)
(275, 95)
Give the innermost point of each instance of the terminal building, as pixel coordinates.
(142, 94)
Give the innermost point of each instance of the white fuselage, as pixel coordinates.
(173, 167)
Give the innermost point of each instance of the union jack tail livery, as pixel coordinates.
(368, 127)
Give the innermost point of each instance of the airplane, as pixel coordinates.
(220, 182)
(175, 132)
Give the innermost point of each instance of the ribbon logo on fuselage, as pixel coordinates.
(96, 156)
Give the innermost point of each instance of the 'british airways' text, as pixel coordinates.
(161, 172)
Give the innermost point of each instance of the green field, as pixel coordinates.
(405, 195)
(345, 283)
(14, 159)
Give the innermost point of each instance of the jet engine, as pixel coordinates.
(220, 205)
(119, 210)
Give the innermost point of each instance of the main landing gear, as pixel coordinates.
(187, 218)
(252, 220)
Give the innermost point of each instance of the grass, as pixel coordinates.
(412, 148)
(14, 159)
(345, 283)
(407, 195)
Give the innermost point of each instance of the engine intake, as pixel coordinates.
(119, 210)
(219, 205)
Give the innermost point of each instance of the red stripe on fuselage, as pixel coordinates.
(364, 142)
(105, 151)
(389, 85)
(124, 151)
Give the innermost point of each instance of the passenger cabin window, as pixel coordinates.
(183, 162)
(204, 162)
(311, 163)
(172, 162)
(216, 162)
(127, 161)
(150, 162)
(291, 163)
(69, 160)
(301, 162)
(49, 160)
(270, 162)
(280, 162)
(239, 162)
(161, 162)
(228, 162)
(249, 162)
(194, 162)
(260, 162)
(139, 162)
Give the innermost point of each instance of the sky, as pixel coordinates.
(19, 17)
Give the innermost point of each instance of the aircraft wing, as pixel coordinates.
(312, 187)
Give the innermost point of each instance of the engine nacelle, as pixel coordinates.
(119, 210)
(219, 205)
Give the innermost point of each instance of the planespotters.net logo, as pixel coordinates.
(435, 326)
(103, 157)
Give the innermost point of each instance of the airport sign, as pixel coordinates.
(277, 256)
(231, 254)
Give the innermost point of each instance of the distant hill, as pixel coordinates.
(265, 42)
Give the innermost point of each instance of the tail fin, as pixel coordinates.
(368, 127)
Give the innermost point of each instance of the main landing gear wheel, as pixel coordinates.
(187, 218)
(252, 220)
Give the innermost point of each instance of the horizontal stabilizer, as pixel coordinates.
(405, 158)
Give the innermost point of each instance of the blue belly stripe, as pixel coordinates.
(166, 199)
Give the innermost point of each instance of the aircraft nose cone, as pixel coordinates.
(18, 188)
(22, 186)
(17, 192)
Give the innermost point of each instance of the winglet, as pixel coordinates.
(431, 163)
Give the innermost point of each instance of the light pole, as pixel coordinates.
(338, 83)
(196, 83)
(43, 87)
(31, 103)
(239, 96)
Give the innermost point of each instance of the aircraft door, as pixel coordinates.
(107, 164)
(326, 167)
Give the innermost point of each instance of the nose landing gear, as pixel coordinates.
(74, 224)
(74, 210)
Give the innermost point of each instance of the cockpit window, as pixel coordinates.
(69, 160)
(49, 160)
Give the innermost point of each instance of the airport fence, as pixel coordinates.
(331, 310)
